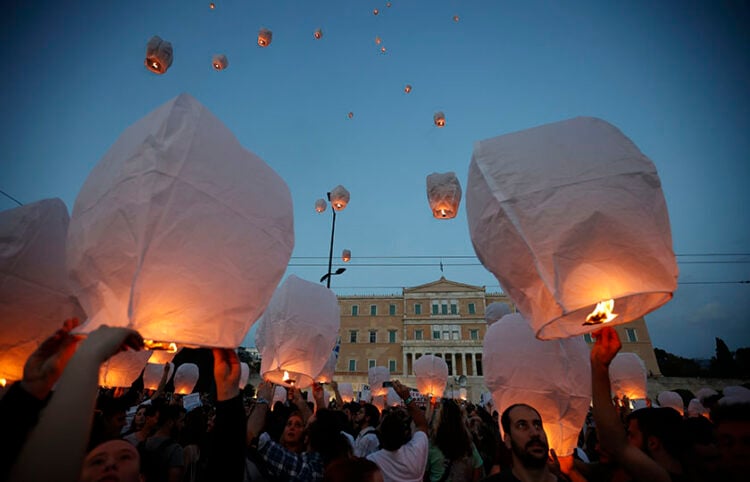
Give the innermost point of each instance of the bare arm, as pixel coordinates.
(339, 400)
(257, 418)
(301, 405)
(416, 413)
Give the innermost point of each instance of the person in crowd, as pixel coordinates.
(139, 419)
(352, 469)
(732, 424)
(113, 460)
(366, 419)
(452, 456)
(403, 454)
(150, 417)
(292, 437)
(161, 453)
(702, 457)
(109, 419)
(486, 436)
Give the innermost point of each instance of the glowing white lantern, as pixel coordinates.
(158, 55)
(346, 256)
(279, 395)
(704, 393)
(264, 37)
(244, 374)
(339, 198)
(627, 376)
(568, 215)
(160, 357)
(346, 391)
(169, 224)
(392, 398)
(34, 294)
(220, 62)
(439, 119)
(407, 88)
(552, 376)
(320, 205)
(185, 378)
(375, 378)
(432, 374)
(734, 394)
(123, 369)
(318, 34)
(671, 400)
(463, 394)
(152, 375)
(326, 374)
(495, 311)
(297, 332)
(696, 409)
(444, 194)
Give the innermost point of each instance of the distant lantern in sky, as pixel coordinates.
(350, 115)
(388, 4)
(407, 89)
(432, 375)
(185, 378)
(571, 219)
(320, 205)
(212, 5)
(264, 37)
(455, 18)
(443, 194)
(346, 256)
(627, 376)
(123, 369)
(377, 40)
(375, 12)
(220, 62)
(153, 373)
(158, 55)
(383, 49)
(339, 198)
(439, 119)
(318, 34)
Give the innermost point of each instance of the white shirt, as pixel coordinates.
(366, 443)
(407, 464)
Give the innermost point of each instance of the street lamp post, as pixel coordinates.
(339, 198)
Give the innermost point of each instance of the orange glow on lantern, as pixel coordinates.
(407, 89)
(158, 55)
(455, 18)
(346, 256)
(350, 115)
(320, 205)
(382, 49)
(377, 40)
(220, 62)
(212, 5)
(318, 34)
(3, 382)
(602, 313)
(375, 12)
(439, 119)
(170, 347)
(264, 37)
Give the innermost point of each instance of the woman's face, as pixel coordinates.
(293, 431)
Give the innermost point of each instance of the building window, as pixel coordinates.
(373, 336)
(444, 308)
(418, 334)
(355, 310)
(472, 309)
(373, 310)
(587, 338)
(392, 366)
(352, 336)
(370, 363)
(435, 334)
(474, 334)
(631, 335)
(454, 308)
(417, 309)
(352, 365)
(392, 310)
(479, 364)
(455, 335)
(391, 336)
(435, 308)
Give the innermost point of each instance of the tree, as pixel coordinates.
(723, 364)
(676, 366)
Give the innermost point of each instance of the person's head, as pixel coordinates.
(293, 433)
(139, 419)
(732, 424)
(349, 469)
(171, 420)
(524, 435)
(395, 429)
(115, 460)
(451, 435)
(325, 437)
(367, 416)
(702, 456)
(656, 430)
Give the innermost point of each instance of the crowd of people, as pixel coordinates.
(79, 432)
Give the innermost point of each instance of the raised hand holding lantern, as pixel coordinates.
(627, 375)
(552, 376)
(297, 332)
(432, 375)
(326, 374)
(169, 223)
(185, 378)
(569, 217)
(153, 374)
(122, 369)
(158, 55)
(444, 194)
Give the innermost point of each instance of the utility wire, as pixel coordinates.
(11, 197)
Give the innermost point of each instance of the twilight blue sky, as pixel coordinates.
(672, 75)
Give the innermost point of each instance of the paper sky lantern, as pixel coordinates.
(279, 395)
(297, 332)
(152, 375)
(326, 374)
(244, 374)
(179, 232)
(568, 215)
(220, 62)
(439, 119)
(392, 398)
(734, 394)
(158, 55)
(350, 115)
(212, 5)
(696, 409)
(375, 378)
(553, 376)
(627, 376)
(346, 256)
(346, 391)
(704, 393)
(407, 89)
(671, 400)
(339, 198)
(377, 40)
(160, 357)
(444, 194)
(432, 374)
(463, 394)
(383, 49)
(455, 18)
(123, 369)
(388, 4)
(375, 12)
(495, 311)
(318, 34)
(320, 205)
(34, 294)
(185, 378)
(264, 37)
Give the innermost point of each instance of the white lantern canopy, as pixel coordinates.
(152, 374)
(375, 378)
(34, 294)
(696, 409)
(439, 119)
(320, 205)
(671, 400)
(392, 398)
(346, 256)
(170, 223)
(552, 376)
(568, 215)
(158, 55)
(160, 357)
(297, 332)
(279, 395)
(220, 62)
(443, 194)
(627, 376)
(704, 393)
(185, 378)
(326, 374)
(339, 198)
(264, 37)
(463, 394)
(244, 374)
(495, 311)
(734, 394)
(432, 374)
(123, 369)
(346, 391)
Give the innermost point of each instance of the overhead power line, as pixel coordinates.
(11, 197)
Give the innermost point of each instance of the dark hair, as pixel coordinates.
(395, 430)
(505, 417)
(371, 412)
(349, 469)
(451, 436)
(663, 423)
(737, 412)
(326, 437)
(169, 413)
(698, 430)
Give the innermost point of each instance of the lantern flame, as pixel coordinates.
(212, 5)
(3, 382)
(377, 40)
(602, 313)
(287, 379)
(170, 347)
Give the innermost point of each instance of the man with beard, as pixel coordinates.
(524, 436)
(366, 419)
